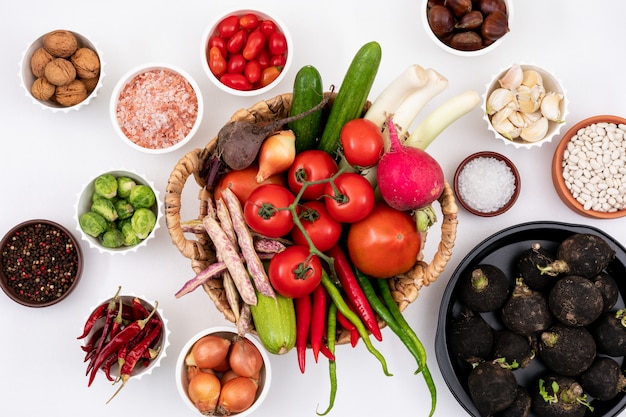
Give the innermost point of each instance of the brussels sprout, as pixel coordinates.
(105, 208)
(141, 196)
(130, 237)
(106, 185)
(143, 221)
(124, 185)
(112, 238)
(93, 224)
(124, 209)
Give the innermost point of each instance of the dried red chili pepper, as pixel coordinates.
(108, 322)
(96, 315)
(318, 319)
(140, 311)
(303, 324)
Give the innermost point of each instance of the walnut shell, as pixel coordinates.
(90, 83)
(71, 94)
(60, 71)
(60, 43)
(39, 60)
(42, 89)
(86, 62)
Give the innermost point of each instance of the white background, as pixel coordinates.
(45, 158)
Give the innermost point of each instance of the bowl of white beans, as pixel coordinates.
(589, 167)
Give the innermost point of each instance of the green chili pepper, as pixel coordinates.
(332, 364)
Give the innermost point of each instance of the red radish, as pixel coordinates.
(408, 178)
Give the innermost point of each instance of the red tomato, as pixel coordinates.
(249, 21)
(385, 243)
(264, 59)
(236, 64)
(219, 43)
(217, 63)
(252, 71)
(254, 44)
(295, 272)
(278, 60)
(362, 142)
(236, 81)
(267, 27)
(266, 211)
(352, 198)
(242, 182)
(323, 230)
(277, 43)
(311, 165)
(237, 41)
(228, 26)
(268, 76)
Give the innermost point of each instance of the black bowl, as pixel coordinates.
(502, 250)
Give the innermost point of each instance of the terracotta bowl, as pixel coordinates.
(566, 193)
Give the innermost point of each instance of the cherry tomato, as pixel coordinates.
(268, 75)
(385, 243)
(362, 142)
(252, 71)
(278, 60)
(323, 230)
(249, 21)
(267, 27)
(236, 81)
(263, 58)
(277, 43)
(352, 198)
(217, 63)
(254, 44)
(237, 41)
(295, 272)
(236, 64)
(219, 43)
(311, 165)
(228, 26)
(243, 181)
(265, 210)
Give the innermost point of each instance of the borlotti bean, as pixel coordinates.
(594, 167)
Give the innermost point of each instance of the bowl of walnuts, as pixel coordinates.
(61, 70)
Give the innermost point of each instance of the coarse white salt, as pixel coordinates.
(486, 184)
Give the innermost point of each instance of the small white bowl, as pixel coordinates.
(551, 83)
(27, 78)
(194, 112)
(83, 205)
(212, 30)
(265, 377)
(458, 52)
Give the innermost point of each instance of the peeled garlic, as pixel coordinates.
(512, 78)
(551, 106)
(526, 99)
(498, 99)
(535, 131)
(532, 78)
(503, 125)
(518, 119)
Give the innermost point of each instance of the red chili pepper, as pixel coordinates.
(90, 346)
(117, 321)
(236, 81)
(106, 329)
(354, 292)
(140, 311)
(96, 315)
(303, 325)
(254, 44)
(108, 364)
(318, 320)
(326, 352)
(350, 327)
(268, 75)
(216, 61)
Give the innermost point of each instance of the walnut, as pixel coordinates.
(71, 94)
(60, 71)
(42, 89)
(60, 43)
(39, 60)
(90, 83)
(86, 62)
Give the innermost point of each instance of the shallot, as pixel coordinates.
(204, 391)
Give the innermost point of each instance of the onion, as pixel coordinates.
(276, 155)
(237, 395)
(208, 352)
(245, 359)
(227, 376)
(204, 391)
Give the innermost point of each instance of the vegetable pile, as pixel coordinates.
(558, 315)
(312, 215)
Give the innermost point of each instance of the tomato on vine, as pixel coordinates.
(350, 199)
(266, 210)
(362, 142)
(295, 271)
(323, 230)
(311, 165)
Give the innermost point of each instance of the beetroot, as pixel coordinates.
(567, 350)
(408, 178)
(484, 288)
(575, 301)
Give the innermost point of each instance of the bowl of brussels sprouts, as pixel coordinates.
(118, 211)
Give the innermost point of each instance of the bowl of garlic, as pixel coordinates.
(525, 105)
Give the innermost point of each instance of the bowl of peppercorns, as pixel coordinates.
(40, 263)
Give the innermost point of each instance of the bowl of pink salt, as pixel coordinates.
(156, 108)
(486, 184)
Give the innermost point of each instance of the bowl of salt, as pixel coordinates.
(486, 184)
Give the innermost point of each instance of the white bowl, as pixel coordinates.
(27, 78)
(265, 377)
(551, 83)
(83, 205)
(195, 112)
(211, 30)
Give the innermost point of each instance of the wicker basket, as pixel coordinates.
(199, 249)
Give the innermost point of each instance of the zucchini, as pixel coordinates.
(307, 93)
(275, 323)
(352, 94)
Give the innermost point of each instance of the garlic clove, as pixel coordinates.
(498, 99)
(532, 78)
(512, 78)
(526, 99)
(518, 119)
(536, 131)
(551, 106)
(531, 118)
(503, 125)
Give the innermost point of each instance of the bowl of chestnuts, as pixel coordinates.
(467, 27)
(61, 70)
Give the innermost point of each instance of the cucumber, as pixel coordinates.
(275, 323)
(307, 93)
(352, 94)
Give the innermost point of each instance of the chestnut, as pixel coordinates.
(489, 6)
(441, 20)
(470, 21)
(495, 25)
(459, 7)
(466, 41)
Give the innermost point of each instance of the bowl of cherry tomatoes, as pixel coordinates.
(246, 52)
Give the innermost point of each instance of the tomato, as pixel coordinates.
(236, 81)
(265, 210)
(385, 243)
(228, 26)
(278, 60)
(237, 41)
(277, 43)
(236, 64)
(217, 63)
(362, 142)
(252, 71)
(242, 182)
(352, 198)
(267, 27)
(268, 75)
(263, 58)
(323, 230)
(249, 21)
(216, 41)
(254, 44)
(295, 272)
(311, 165)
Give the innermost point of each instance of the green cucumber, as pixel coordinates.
(275, 323)
(307, 93)
(352, 94)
